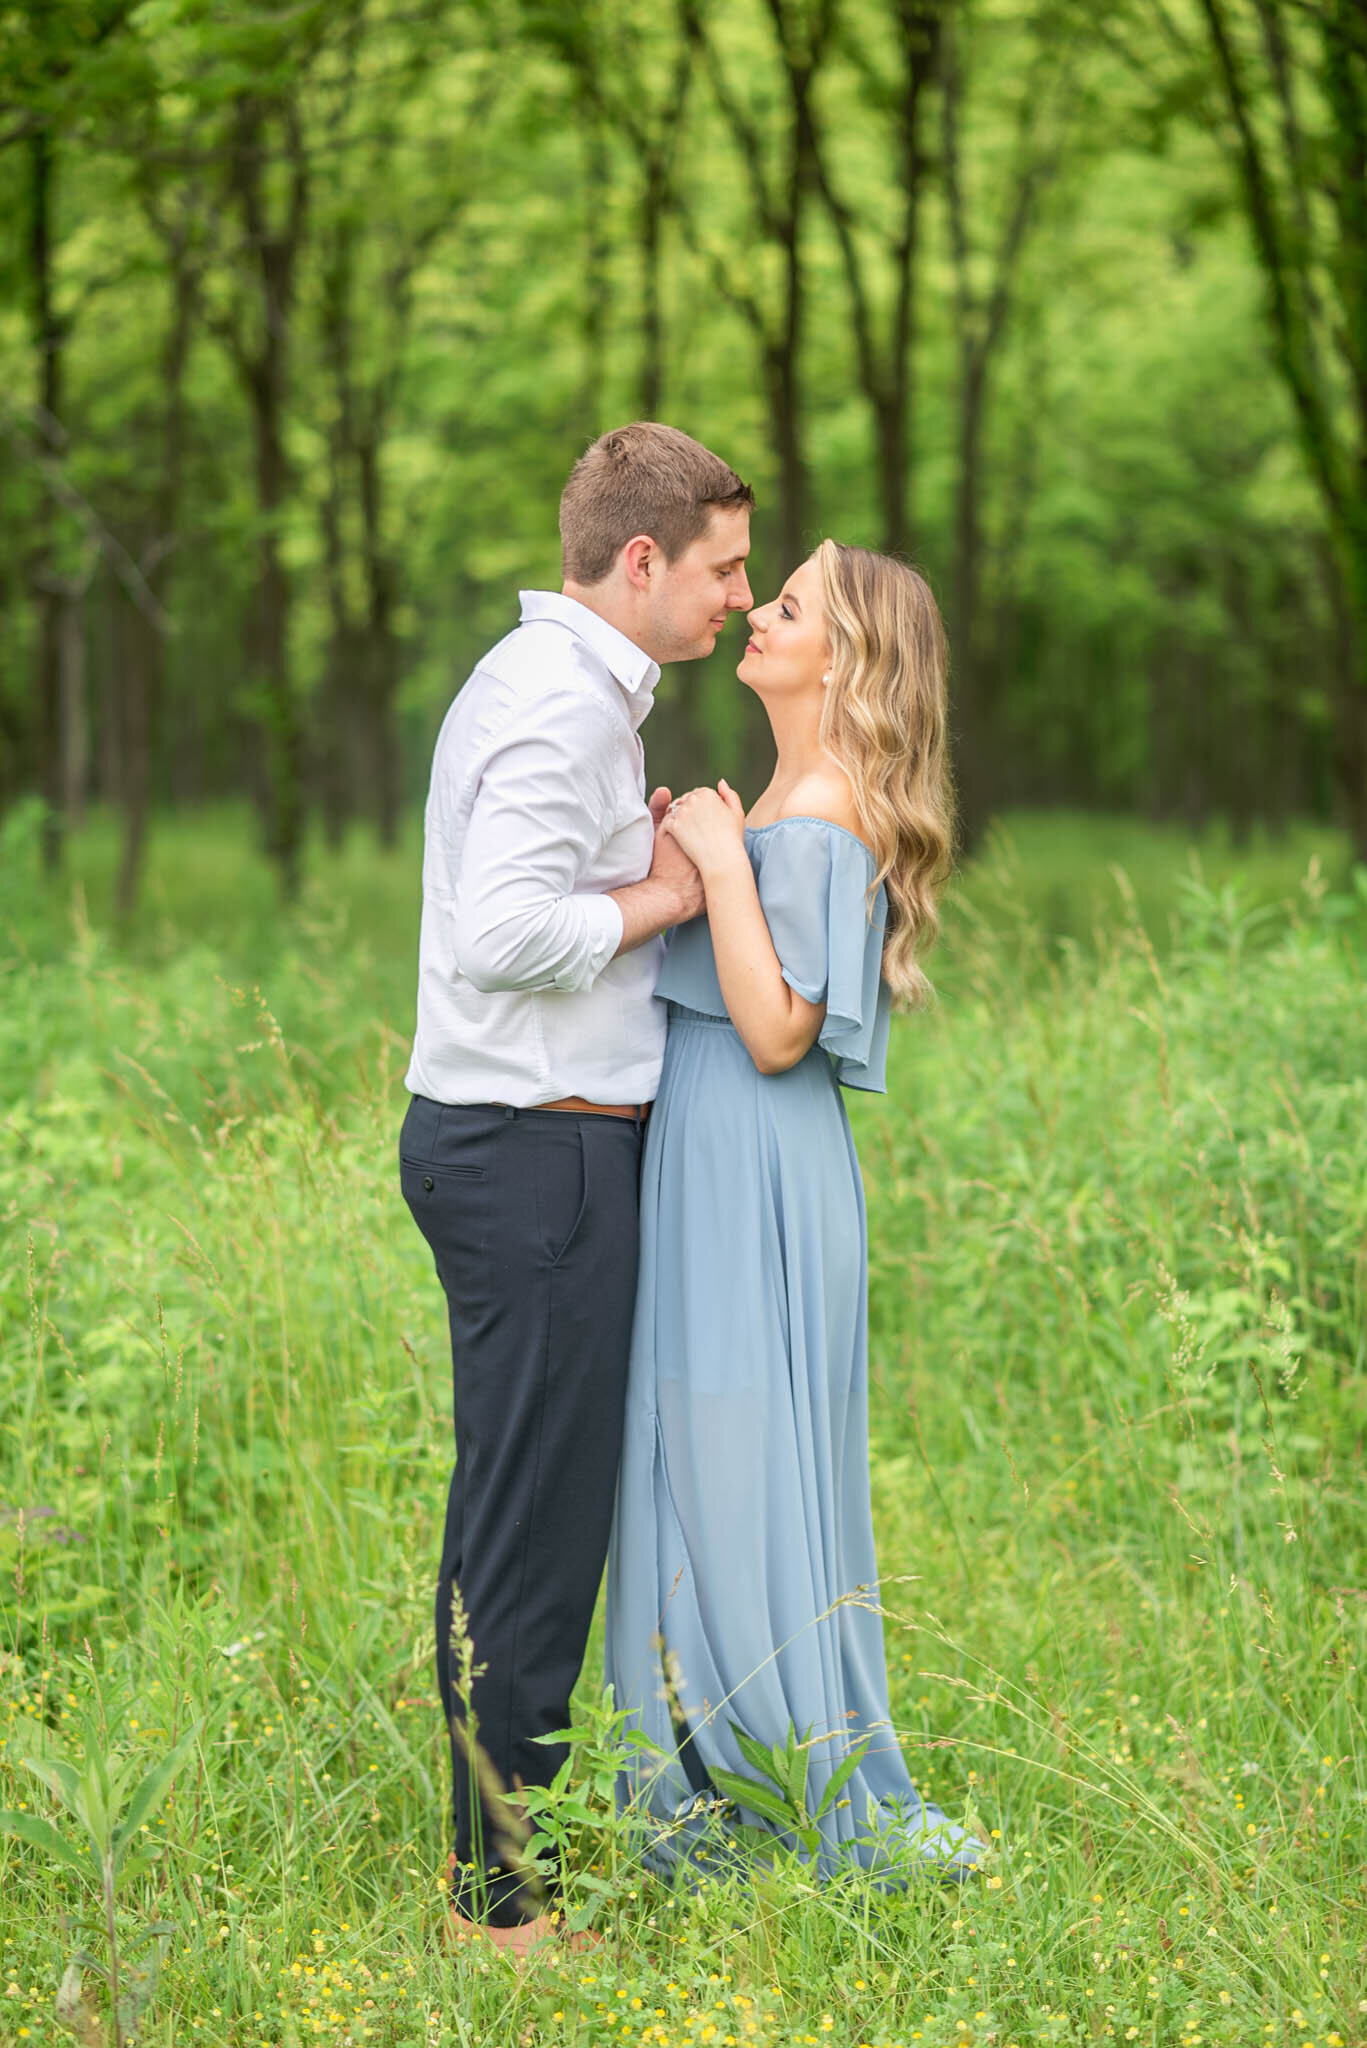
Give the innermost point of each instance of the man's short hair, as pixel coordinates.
(645, 478)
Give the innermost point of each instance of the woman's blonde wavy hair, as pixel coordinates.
(884, 720)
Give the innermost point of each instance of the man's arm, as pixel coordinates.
(534, 827)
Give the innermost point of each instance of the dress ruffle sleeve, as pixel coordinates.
(813, 881)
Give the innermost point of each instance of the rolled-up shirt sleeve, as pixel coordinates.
(541, 811)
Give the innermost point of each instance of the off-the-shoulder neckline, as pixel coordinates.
(810, 818)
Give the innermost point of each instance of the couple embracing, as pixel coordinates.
(632, 1164)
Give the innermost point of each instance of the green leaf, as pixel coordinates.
(796, 1757)
(97, 1764)
(60, 1777)
(841, 1776)
(73, 2009)
(153, 1789)
(42, 1835)
(137, 1866)
(92, 1805)
(761, 1799)
(155, 1930)
(136, 1991)
(760, 1758)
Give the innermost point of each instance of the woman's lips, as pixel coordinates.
(751, 647)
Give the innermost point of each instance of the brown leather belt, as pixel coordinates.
(577, 1106)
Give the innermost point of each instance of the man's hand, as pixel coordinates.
(670, 865)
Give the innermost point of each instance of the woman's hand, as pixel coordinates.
(709, 825)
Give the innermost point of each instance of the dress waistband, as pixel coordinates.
(679, 1013)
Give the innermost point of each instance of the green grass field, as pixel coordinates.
(1118, 1212)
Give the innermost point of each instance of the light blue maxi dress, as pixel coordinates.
(742, 1580)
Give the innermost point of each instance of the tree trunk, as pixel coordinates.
(48, 340)
(139, 667)
(920, 33)
(273, 252)
(283, 728)
(383, 663)
(652, 327)
(338, 696)
(144, 676)
(1349, 696)
(75, 720)
(892, 413)
(973, 713)
(109, 777)
(980, 323)
(597, 282)
(785, 428)
(885, 359)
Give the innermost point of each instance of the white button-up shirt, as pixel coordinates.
(536, 808)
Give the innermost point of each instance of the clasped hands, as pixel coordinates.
(695, 832)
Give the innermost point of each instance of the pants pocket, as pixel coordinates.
(563, 1192)
(425, 1176)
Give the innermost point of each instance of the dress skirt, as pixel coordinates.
(742, 1579)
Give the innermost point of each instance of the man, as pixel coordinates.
(546, 886)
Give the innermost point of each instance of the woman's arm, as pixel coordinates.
(777, 1026)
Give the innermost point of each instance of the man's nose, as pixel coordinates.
(744, 597)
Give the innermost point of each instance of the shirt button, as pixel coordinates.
(428, 1182)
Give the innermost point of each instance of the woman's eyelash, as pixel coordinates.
(784, 611)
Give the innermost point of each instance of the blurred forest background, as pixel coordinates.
(306, 308)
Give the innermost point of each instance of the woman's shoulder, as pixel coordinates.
(825, 798)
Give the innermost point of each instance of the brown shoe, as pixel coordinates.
(519, 1942)
(528, 1938)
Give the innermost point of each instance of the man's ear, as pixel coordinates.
(640, 560)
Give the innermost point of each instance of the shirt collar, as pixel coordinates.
(635, 674)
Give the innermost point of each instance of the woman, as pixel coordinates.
(742, 1581)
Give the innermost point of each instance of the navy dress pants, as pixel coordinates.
(531, 1217)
